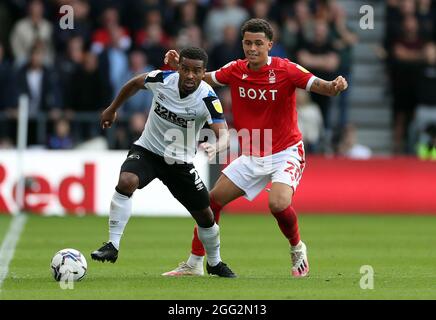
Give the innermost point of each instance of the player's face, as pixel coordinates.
(256, 47)
(191, 73)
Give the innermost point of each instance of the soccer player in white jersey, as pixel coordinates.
(263, 100)
(182, 102)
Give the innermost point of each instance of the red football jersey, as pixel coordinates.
(264, 102)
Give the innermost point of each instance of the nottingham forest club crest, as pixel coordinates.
(272, 77)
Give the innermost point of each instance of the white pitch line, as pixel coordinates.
(7, 249)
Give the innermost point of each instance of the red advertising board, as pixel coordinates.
(400, 185)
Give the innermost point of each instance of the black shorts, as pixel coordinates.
(181, 179)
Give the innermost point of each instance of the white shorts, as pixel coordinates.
(252, 174)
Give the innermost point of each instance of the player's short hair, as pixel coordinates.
(194, 53)
(258, 25)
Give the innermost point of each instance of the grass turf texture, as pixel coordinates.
(399, 248)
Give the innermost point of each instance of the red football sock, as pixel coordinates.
(197, 247)
(288, 223)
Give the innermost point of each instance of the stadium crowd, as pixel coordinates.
(410, 53)
(70, 75)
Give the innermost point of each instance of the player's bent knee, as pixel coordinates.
(128, 182)
(279, 204)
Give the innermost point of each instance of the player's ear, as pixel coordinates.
(270, 45)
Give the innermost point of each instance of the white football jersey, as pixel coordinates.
(173, 126)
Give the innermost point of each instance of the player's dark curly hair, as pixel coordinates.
(258, 25)
(194, 53)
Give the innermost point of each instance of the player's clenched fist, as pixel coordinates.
(340, 84)
(108, 117)
(172, 58)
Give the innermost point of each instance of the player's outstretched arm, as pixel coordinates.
(223, 139)
(132, 86)
(172, 60)
(329, 88)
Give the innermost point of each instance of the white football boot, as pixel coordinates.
(300, 264)
(185, 269)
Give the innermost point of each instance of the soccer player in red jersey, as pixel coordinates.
(263, 101)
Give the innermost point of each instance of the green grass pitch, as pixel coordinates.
(400, 249)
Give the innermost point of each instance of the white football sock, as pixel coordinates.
(195, 260)
(210, 237)
(119, 214)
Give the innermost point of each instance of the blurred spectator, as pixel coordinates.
(319, 57)
(343, 42)
(113, 61)
(40, 83)
(226, 100)
(426, 18)
(227, 50)
(68, 64)
(190, 36)
(7, 20)
(325, 10)
(346, 145)
(229, 13)
(298, 25)
(136, 125)
(166, 9)
(29, 30)
(187, 13)
(152, 31)
(426, 93)
(278, 50)
(261, 9)
(154, 43)
(103, 37)
(309, 121)
(393, 24)
(120, 140)
(6, 143)
(82, 25)
(426, 148)
(124, 137)
(7, 107)
(90, 92)
(107, 28)
(141, 101)
(425, 113)
(61, 138)
(408, 55)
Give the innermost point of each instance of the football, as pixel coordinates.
(68, 264)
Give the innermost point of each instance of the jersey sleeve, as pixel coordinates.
(155, 77)
(222, 76)
(300, 77)
(214, 108)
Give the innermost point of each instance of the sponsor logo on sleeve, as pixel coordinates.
(217, 105)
